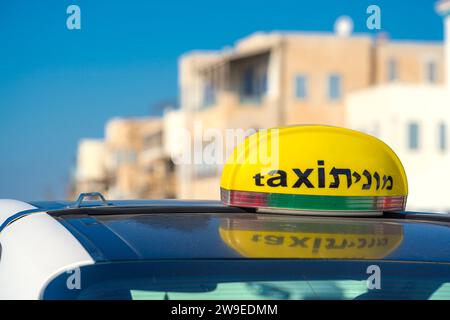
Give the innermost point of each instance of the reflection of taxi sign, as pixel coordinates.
(315, 169)
(312, 239)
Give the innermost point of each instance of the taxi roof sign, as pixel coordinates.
(314, 169)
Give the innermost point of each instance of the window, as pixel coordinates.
(252, 279)
(249, 88)
(392, 70)
(154, 140)
(262, 84)
(413, 134)
(125, 157)
(253, 85)
(301, 90)
(430, 72)
(274, 290)
(334, 87)
(442, 137)
(209, 95)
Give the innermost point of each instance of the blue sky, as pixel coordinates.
(58, 85)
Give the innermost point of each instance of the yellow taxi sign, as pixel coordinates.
(314, 168)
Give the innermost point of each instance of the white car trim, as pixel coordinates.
(9, 207)
(34, 250)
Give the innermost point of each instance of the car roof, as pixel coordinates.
(173, 229)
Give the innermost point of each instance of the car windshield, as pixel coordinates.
(283, 279)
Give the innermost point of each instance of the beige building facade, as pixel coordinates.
(277, 79)
(130, 163)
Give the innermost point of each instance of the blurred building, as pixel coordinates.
(137, 165)
(414, 120)
(395, 90)
(283, 78)
(90, 174)
(174, 143)
(155, 163)
(130, 163)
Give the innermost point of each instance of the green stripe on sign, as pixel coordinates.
(333, 203)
